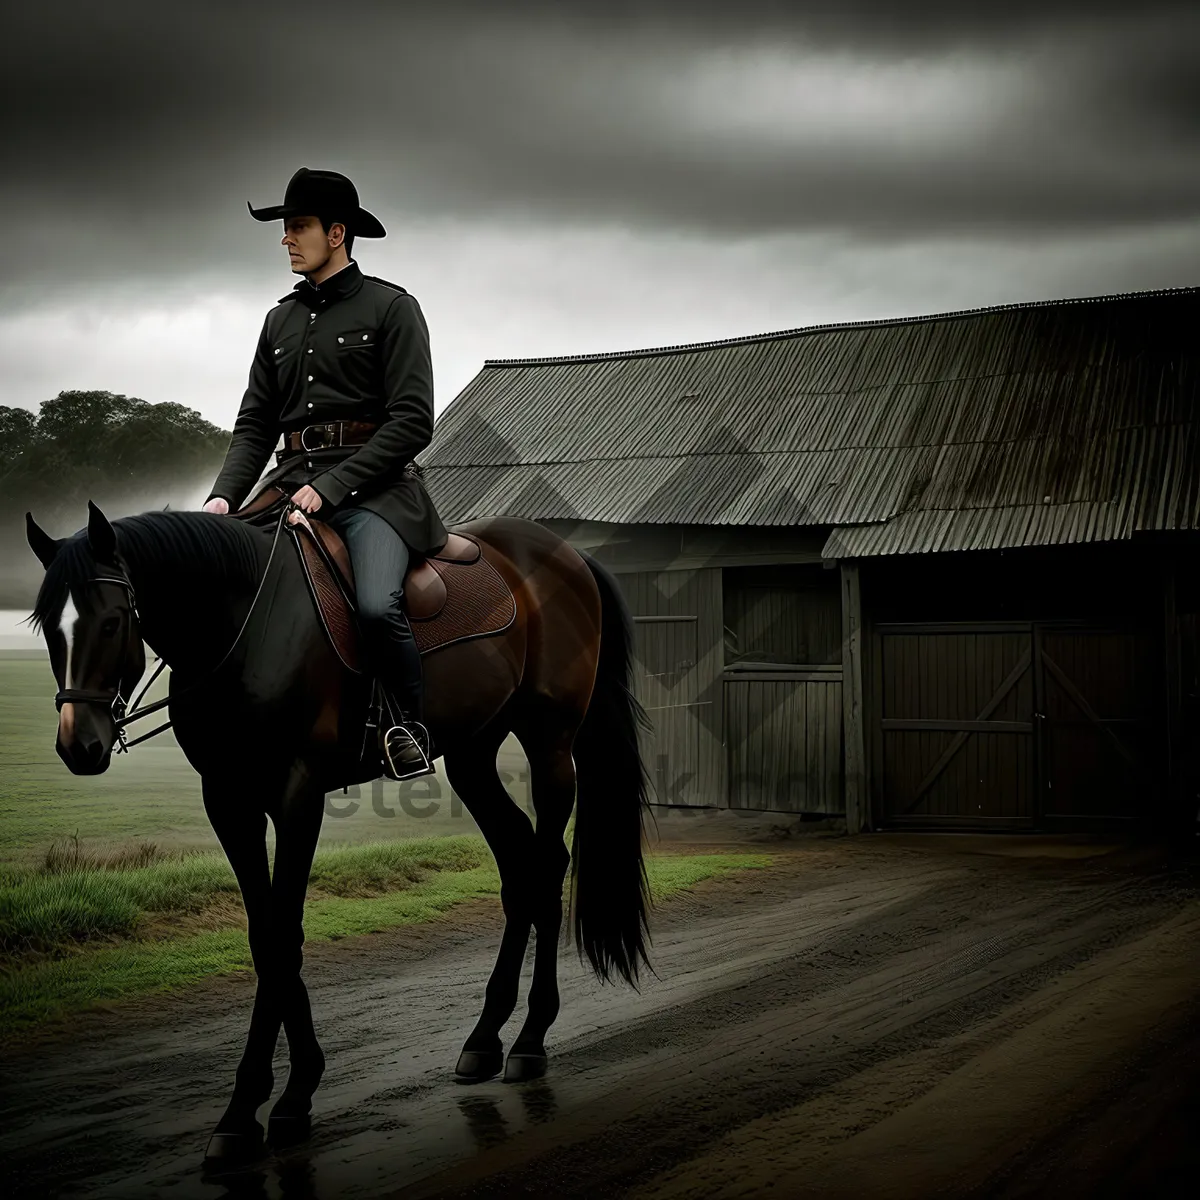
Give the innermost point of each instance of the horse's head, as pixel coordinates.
(87, 614)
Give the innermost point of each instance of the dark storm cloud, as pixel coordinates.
(134, 134)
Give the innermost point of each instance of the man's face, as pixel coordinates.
(307, 244)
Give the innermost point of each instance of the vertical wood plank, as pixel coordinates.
(712, 788)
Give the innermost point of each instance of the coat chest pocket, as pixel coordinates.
(285, 345)
(355, 339)
(284, 351)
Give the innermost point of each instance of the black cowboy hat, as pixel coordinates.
(322, 194)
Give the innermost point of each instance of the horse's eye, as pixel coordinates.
(110, 627)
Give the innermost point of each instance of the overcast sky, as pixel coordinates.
(562, 178)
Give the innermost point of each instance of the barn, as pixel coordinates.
(936, 572)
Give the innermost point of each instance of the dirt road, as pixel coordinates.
(880, 1017)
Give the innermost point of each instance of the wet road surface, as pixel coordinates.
(884, 1016)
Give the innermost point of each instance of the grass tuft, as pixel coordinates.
(65, 855)
(78, 896)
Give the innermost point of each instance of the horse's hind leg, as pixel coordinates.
(552, 778)
(472, 773)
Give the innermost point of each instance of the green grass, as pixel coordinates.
(47, 912)
(670, 873)
(152, 792)
(51, 989)
(55, 988)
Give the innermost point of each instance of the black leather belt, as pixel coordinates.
(327, 436)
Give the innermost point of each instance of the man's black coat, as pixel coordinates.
(354, 348)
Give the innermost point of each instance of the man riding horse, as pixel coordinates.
(533, 639)
(343, 372)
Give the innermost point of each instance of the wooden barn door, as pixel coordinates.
(955, 744)
(1016, 725)
(668, 688)
(1102, 741)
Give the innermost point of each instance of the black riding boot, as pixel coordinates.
(405, 745)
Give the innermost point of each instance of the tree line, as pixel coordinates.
(126, 454)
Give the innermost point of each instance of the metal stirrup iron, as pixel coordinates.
(396, 724)
(399, 768)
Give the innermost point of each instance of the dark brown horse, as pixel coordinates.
(273, 720)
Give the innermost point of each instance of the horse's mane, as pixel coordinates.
(224, 550)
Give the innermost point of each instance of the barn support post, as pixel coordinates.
(1173, 686)
(853, 738)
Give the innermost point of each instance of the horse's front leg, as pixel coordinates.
(241, 827)
(297, 823)
(274, 914)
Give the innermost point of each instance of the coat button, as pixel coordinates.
(364, 337)
(278, 349)
(340, 341)
(310, 404)
(310, 349)
(310, 379)
(312, 316)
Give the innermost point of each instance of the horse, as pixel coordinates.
(278, 722)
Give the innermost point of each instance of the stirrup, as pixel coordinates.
(408, 766)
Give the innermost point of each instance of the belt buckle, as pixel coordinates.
(326, 437)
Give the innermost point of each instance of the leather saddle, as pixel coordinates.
(450, 596)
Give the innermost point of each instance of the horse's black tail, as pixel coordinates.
(609, 890)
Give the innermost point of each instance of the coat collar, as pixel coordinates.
(337, 287)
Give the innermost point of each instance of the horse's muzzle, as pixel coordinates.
(85, 754)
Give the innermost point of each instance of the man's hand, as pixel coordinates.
(218, 504)
(308, 499)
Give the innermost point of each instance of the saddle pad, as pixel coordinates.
(478, 602)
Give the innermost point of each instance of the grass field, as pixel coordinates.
(115, 886)
(153, 793)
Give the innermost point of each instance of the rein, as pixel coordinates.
(123, 715)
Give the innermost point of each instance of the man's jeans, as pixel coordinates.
(379, 558)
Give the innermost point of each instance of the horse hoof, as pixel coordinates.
(224, 1149)
(474, 1066)
(521, 1067)
(288, 1131)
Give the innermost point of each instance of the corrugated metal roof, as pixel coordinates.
(1072, 420)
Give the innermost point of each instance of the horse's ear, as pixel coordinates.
(42, 544)
(101, 537)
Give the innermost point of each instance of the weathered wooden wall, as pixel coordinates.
(739, 721)
(866, 691)
(784, 735)
(783, 688)
(677, 621)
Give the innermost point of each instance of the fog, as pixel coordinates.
(22, 573)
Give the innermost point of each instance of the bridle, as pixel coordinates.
(124, 714)
(91, 695)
